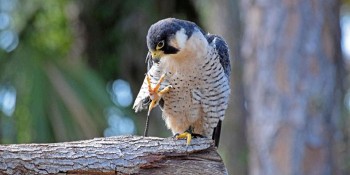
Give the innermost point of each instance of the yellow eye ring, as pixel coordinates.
(160, 45)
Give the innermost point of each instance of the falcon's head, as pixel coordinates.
(172, 37)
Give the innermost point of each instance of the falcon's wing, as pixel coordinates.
(223, 53)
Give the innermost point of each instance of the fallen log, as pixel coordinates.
(113, 155)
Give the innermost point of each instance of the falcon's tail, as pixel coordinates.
(216, 134)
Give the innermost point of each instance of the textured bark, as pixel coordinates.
(113, 155)
(292, 58)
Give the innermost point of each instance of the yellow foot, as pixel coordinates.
(155, 93)
(185, 135)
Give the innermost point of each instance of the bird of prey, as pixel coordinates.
(188, 77)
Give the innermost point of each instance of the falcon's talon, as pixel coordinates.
(154, 93)
(175, 135)
(186, 135)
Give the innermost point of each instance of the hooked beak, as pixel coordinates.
(156, 55)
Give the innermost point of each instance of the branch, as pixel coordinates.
(113, 155)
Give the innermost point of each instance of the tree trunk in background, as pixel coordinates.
(292, 58)
(224, 20)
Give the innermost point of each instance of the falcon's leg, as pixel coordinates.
(155, 93)
(188, 134)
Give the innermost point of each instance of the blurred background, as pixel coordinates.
(70, 70)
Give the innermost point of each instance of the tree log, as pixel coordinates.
(113, 155)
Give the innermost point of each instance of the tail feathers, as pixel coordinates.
(216, 134)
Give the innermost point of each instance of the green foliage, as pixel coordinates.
(57, 99)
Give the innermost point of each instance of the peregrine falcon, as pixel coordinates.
(188, 77)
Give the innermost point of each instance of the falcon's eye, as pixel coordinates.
(160, 45)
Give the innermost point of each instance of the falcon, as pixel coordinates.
(188, 76)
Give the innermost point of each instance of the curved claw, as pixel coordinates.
(152, 105)
(155, 93)
(185, 135)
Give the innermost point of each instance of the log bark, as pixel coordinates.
(113, 155)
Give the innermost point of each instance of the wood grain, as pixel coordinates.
(113, 155)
